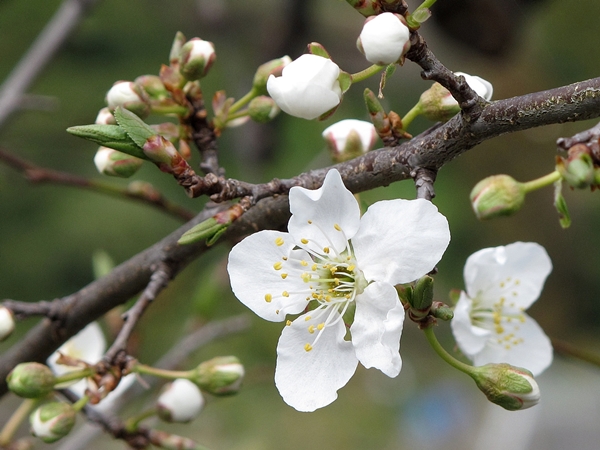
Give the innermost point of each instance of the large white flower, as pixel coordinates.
(308, 87)
(490, 325)
(329, 263)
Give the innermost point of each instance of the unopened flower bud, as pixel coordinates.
(578, 171)
(195, 58)
(180, 401)
(222, 375)
(498, 195)
(273, 67)
(350, 138)
(384, 39)
(153, 86)
(31, 380)
(52, 421)
(511, 387)
(130, 96)
(7, 322)
(105, 117)
(263, 109)
(366, 7)
(437, 103)
(115, 163)
(422, 296)
(159, 150)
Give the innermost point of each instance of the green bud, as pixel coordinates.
(442, 311)
(52, 421)
(262, 109)
(437, 104)
(222, 375)
(160, 150)
(422, 294)
(511, 387)
(498, 195)
(196, 58)
(273, 67)
(114, 163)
(153, 86)
(31, 380)
(579, 172)
(209, 230)
(111, 136)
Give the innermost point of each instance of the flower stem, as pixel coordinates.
(414, 112)
(172, 109)
(162, 373)
(539, 183)
(368, 72)
(132, 423)
(74, 376)
(79, 404)
(242, 101)
(425, 4)
(20, 414)
(435, 344)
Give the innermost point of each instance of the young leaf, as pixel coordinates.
(111, 136)
(135, 127)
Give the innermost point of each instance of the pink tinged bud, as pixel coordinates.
(511, 387)
(31, 380)
(115, 163)
(307, 88)
(130, 96)
(273, 67)
(105, 117)
(498, 195)
(52, 421)
(153, 86)
(196, 58)
(384, 39)
(161, 151)
(7, 323)
(262, 109)
(180, 401)
(349, 139)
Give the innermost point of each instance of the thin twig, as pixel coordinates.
(48, 42)
(158, 281)
(138, 191)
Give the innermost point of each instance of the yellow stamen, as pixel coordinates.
(285, 294)
(278, 265)
(288, 322)
(308, 347)
(284, 275)
(337, 227)
(304, 241)
(311, 329)
(279, 241)
(268, 298)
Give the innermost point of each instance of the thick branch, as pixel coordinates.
(430, 150)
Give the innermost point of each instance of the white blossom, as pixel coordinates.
(330, 264)
(352, 137)
(384, 39)
(308, 87)
(490, 324)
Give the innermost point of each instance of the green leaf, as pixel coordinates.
(111, 136)
(345, 80)
(138, 130)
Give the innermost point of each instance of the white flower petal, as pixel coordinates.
(470, 339)
(315, 214)
(528, 347)
(383, 38)
(88, 345)
(256, 269)
(516, 272)
(308, 380)
(483, 87)
(400, 240)
(377, 327)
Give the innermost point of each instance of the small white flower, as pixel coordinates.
(180, 401)
(115, 163)
(196, 58)
(384, 39)
(490, 325)
(331, 262)
(350, 138)
(130, 96)
(308, 87)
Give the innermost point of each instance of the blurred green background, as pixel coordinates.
(48, 234)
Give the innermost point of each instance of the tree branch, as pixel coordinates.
(430, 150)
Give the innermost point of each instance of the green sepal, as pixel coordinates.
(314, 48)
(560, 204)
(111, 136)
(138, 130)
(442, 311)
(345, 80)
(405, 292)
(423, 294)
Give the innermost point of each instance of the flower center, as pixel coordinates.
(503, 317)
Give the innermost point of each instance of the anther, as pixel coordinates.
(308, 347)
(304, 241)
(279, 241)
(285, 294)
(268, 298)
(278, 265)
